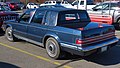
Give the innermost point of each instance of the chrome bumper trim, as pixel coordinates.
(88, 48)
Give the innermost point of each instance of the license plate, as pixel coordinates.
(103, 48)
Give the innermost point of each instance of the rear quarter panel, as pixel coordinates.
(67, 35)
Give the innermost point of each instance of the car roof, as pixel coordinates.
(57, 9)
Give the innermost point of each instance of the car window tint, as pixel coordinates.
(75, 3)
(106, 6)
(99, 7)
(73, 16)
(50, 18)
(26, 16)
(31, 4)
(115, 4)
(38, 17)
(102, 6)
(82, 3)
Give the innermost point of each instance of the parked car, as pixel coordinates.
(32, 6)
(4, 6)
(64, 4)
(61, 29)
(12, 5)
(107, 12)
(6, 13)
(83, 4)
(20, 5)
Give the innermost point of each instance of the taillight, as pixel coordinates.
(79, 41)
(81, 28)
(12, 6)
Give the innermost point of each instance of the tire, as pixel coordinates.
(27, 8)
(9, 34)
(53, 48)
(118, 24)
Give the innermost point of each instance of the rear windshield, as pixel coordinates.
(73, 16)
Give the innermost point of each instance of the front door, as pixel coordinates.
(21, 27)
(101, 14)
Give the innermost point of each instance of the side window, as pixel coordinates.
(75, 3)
(99, 7)
(38, 17)
(114, 5)
(102, 6)
(26, 16)
(106, 6)
(50, 18)
(82, 3)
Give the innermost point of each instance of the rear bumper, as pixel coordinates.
(75, 49)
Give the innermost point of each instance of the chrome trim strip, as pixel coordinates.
(96, 41)
(111, 33)
(29, 40)
(69, 46)
(108, 42)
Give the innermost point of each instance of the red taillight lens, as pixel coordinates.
(12, 6)
(81, 28)
(79, 41)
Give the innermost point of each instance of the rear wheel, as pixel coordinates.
(53, 48)
(9, 34)
(118, 24)
(27, 8)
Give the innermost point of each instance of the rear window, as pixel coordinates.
(73, 16)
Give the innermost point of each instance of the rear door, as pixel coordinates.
(42, 22)
(35, 28)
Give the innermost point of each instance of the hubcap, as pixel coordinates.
(51, 48)
(9, 34)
